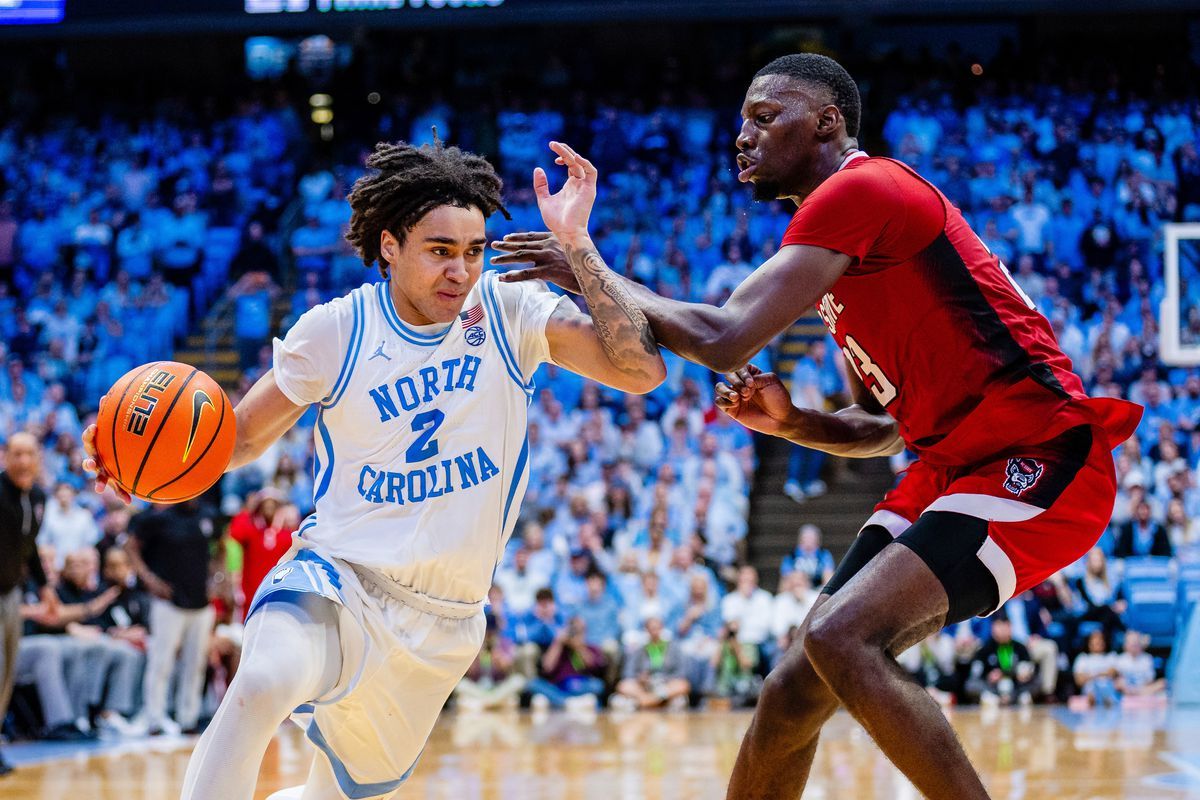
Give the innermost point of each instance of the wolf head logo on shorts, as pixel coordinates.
(1023, 473)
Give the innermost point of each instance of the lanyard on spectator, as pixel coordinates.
(1004, 654)
(657, 653)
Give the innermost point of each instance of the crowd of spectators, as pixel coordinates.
(627, 581)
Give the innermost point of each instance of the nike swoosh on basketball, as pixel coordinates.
(200, 399)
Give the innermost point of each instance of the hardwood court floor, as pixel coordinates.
(1038, 754)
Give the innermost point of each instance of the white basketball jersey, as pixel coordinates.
(421, 450)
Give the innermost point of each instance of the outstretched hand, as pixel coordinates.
(757, 399)
(566, 212)
(92, 464)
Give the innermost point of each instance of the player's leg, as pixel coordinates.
(319, 785)
(292, 655)
(777, 751)
(894, 602)
(369, 743)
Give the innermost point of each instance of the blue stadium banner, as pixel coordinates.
(31, 12)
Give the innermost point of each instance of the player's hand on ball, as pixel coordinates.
(757, 399)
(543, 250)
(92, 464)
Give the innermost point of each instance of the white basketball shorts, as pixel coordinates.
(402, 655)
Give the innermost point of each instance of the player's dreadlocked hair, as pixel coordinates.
(411, 182)
(823, 71)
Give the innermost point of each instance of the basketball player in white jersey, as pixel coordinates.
(421, 383)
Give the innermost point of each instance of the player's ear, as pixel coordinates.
(389, 248)
(829, 120)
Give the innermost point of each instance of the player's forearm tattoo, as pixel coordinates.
(623, 329)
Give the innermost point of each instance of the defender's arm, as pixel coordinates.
(761, 402)
(721, 338)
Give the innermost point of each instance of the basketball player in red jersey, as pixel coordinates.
(1014, 478)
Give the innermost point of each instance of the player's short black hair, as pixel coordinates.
(408, 183)
(824, 71)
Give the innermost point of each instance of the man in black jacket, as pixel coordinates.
(21, 505)
(1002, 671)
(1142, 536)
(169, 547)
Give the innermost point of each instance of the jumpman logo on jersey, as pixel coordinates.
(379, 352)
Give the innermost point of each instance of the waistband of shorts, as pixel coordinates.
(449, 609)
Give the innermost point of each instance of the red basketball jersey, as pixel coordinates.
(935, 326)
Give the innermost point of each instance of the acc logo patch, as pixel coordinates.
(1023, 474)
(476, 336)
(280, 574)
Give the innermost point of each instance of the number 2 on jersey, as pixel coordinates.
(425, 447)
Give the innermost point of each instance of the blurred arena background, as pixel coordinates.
(172, 183)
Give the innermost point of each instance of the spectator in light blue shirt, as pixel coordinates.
(809, 557)
(135, 249)
(313, 246)
(180, 240)
(570, 582)
(542, 623)
(601, 612)
(38, 241)
(1063, 232)
(252, 314)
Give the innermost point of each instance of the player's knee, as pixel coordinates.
(795, 694)
(829, 644)
(273, 692)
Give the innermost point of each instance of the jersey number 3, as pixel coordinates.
(869, 372)
(425, 447)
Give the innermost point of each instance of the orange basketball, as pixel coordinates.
(165, 432)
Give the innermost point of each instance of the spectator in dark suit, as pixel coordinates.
(21, 504)
(1142, 536)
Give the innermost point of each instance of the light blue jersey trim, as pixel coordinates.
(350, 787)
(323, 432)
(495, 319)
(309, 523)
(520, 471)
(403, 331)
(356, 336)
(316, 464)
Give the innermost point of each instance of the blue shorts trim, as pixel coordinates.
(296, 580)
(350, 787)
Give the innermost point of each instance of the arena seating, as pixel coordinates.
(138, 245)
